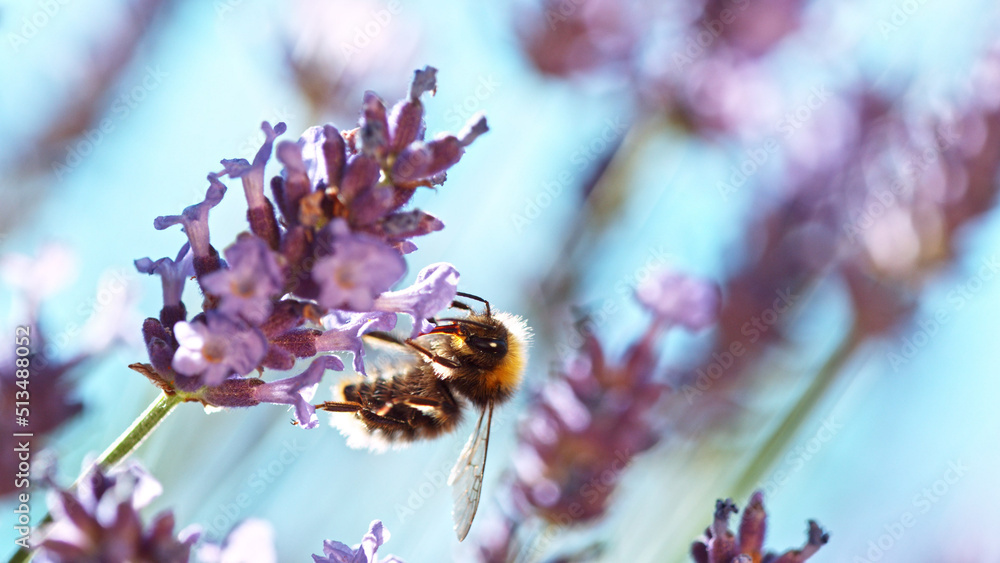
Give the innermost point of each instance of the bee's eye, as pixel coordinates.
(492, 346)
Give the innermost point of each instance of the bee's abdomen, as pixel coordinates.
(409, 407)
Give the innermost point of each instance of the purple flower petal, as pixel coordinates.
(195, 218)
(433, 291)
(173, 273)
(217, 349)
(344, 331)
(358, 270)
(406, 122)
(247, 286)
(680, 299)
(253, 174)
(299, 390)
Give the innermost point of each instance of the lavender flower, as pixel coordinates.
(585, 426)
(720, 545)
(358, 270)
(173, 274)
(433, 290)
(100, 521)
(252, 279)
(216, 348)
(296, 391)
(314, 273)
(365, 552)
(344, 331)
(195, 222)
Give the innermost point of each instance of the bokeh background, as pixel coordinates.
(755, 149)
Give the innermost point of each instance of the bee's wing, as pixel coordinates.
(466, 477)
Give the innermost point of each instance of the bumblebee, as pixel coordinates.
(477, 359)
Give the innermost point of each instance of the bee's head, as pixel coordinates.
(496, 347)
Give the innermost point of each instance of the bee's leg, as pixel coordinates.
(387, 337)
(447, 362)
(334, 406)
(384, 422)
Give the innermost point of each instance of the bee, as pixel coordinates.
(477, 359)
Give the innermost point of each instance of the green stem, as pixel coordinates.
(131, 439)
(778, 441)
(140, 429)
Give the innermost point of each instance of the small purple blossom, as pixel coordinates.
(194, 219)
(299, 390)
(678, 299)
(433, 290)
(344, 330)
(247, 286)
(253, 174)
(173, 274)
(365, 552)
(54, 267)
(100, 521)
(358, 270)
(217, 348)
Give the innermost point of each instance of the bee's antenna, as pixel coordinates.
(477, 298)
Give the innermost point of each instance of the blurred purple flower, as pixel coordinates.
(248, 284)
(100, 521)
(37, 277)
(217, 347)
(365, 552)
(251, 540)
(359, 268)
(677, 299)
